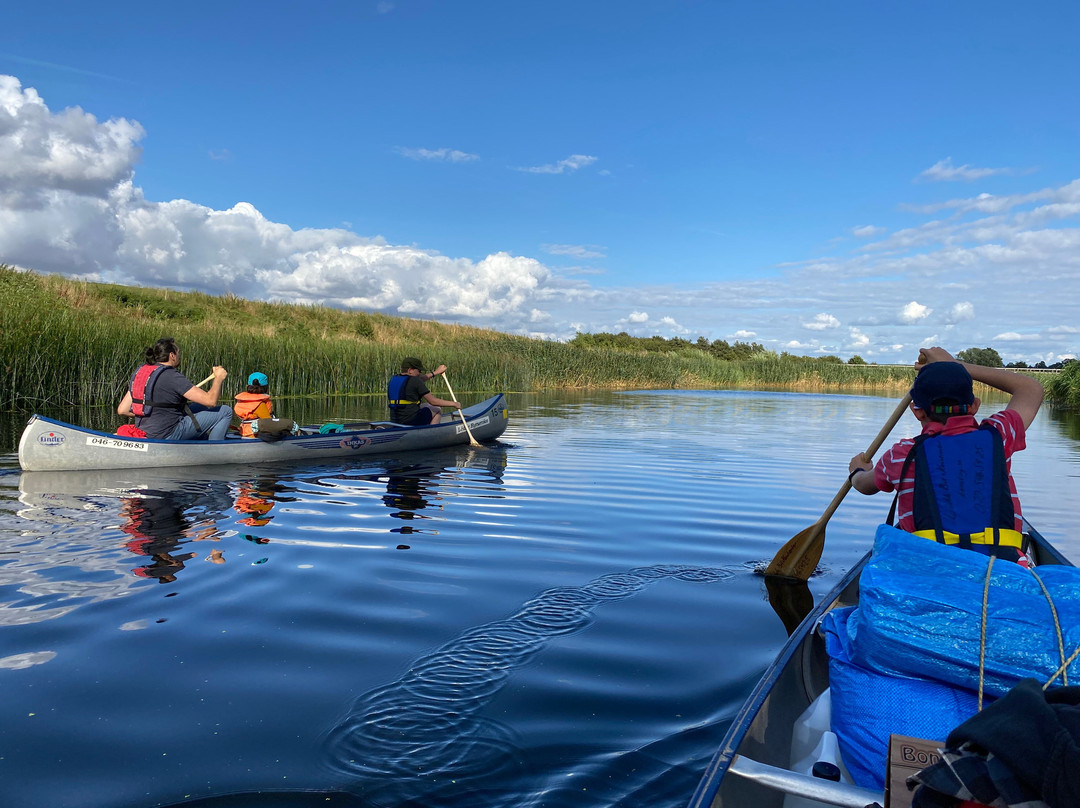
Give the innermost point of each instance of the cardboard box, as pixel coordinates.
(906, 756)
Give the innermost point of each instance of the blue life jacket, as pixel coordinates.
(961, 492)
(396, 389)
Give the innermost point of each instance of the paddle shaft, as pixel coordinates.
(209, 378)
(871, 450)
(472, 440)
(799, 557)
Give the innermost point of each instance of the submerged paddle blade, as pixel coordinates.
(790, 599)
(799, 558)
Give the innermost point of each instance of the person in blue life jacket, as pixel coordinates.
(167, 406)
(411, 402)
(954, 481)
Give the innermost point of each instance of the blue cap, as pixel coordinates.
(258, 378)
(946, 382)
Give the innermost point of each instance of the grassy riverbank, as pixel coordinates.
(1063, 389)
(65, 342)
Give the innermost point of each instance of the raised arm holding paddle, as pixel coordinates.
(971, 463)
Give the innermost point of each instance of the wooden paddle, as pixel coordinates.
(472, 440)
(800, 556)
(209, 378)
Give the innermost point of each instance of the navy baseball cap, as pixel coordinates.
(258, 378)
(946, 382)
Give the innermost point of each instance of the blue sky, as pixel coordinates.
(820, 177)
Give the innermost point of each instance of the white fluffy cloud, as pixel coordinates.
(913, 312)
(42, 153)
(672, 326)
(822, 322)
(69, 204)
(961, 312)
(857, 339)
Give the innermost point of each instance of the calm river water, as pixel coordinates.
(567, 618)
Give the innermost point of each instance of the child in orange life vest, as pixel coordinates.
(254, 404)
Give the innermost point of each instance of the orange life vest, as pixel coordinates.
(250, 407)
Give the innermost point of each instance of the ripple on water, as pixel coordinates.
(427, 721)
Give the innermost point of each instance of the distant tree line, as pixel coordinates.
(988, 357)
(722, 349)
(719, 348)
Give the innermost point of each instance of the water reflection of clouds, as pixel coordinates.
(55, 531)
(72, 537)
(18, 662)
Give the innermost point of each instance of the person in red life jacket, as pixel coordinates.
(954, 481)
(253, 404)
(411, 402)
(158, 397)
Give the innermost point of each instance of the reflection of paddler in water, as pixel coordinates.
(406, 493)
(160, 520)
(157, 525)
(254, 501)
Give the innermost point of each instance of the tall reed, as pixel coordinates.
(1063, 388)
(68, 342)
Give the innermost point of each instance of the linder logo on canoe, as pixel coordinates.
(51, 439)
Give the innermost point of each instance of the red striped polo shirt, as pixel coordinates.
(887, 470)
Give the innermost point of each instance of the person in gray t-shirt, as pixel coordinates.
(158, 398)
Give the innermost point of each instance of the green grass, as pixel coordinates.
(65, 342)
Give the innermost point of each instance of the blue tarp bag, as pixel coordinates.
(920, 615)
(868, 706)
(906, 659)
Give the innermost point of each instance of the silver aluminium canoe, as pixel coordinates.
(751, 768)
(50, 445)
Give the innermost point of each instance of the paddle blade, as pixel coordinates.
(799, 558)
(790, 599)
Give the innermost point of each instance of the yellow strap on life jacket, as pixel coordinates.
(999, 536)
(399, 402)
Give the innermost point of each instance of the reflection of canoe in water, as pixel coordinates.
(48, 445)
(752, 768)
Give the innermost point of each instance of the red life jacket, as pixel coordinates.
(142, 388)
